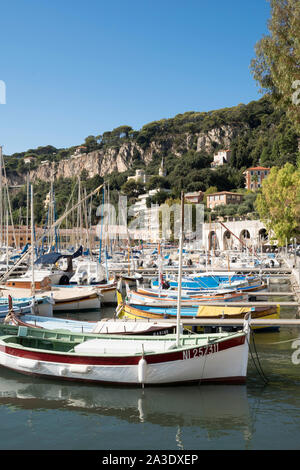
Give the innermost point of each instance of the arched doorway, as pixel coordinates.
(262, 236)
(213, 243)
(245, 238)
(227, 240)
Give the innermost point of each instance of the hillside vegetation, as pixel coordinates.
(256, 134)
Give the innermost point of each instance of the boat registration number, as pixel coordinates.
(201, 351)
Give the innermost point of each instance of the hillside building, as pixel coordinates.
(223, 198)
(220, 158)
(141, 176)
(194, 197)
(254, 177)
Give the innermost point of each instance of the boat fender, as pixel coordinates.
(142, 370)
(80, 369)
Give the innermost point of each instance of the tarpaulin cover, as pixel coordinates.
(49, 258)
(52, 258)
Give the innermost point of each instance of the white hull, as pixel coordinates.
(84, 304)
(223, 361)
(108, 295)
(43, 308)
(140, 299)
(121, 327)
(76, 298)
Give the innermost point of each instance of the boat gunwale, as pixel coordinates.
(215, 338)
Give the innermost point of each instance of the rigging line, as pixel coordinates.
(69, 201)
(9, 203)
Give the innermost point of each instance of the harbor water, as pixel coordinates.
(263, 414)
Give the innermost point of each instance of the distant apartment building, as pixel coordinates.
(254, 177)
(223, 156)
(194, 197)
(223, 198)
(18, 235)
(141, 203)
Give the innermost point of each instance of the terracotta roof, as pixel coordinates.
(257, 168)
(196, 193)
(225, 192)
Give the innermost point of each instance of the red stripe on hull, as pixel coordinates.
(192, 351)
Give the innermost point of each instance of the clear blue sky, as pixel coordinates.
(77, 68)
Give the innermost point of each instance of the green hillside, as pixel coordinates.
(260, 135)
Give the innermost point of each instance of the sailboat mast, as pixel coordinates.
(27, 205)
(7, 239)
(80, 212)
(32, 242)
(178, 328)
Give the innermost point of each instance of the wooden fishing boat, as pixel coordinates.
(25, 305)
(135, 360)
(76, 298)
(209, 284)
(140, 312)
(263, 313)
(38, 304)
(105, 326)
(139, 298)
(108, 292)
(63, 298)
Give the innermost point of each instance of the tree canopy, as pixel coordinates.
(277, 63)
(279, 201)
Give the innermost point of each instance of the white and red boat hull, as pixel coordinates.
(223, 361)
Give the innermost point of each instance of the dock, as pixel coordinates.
(288, 272)
(288, 322)
(250, 303)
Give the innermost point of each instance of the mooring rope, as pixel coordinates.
(285, 341)
(259, 369)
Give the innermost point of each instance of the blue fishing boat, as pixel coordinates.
(213, 283)
(39, 304)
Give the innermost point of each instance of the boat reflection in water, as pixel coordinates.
(215, 409)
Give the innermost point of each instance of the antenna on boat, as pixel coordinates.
(178, 328)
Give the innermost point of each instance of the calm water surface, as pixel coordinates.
(38, 414)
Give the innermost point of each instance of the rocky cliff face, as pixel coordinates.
(119, 159)
(222, 135)
(95, 163)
